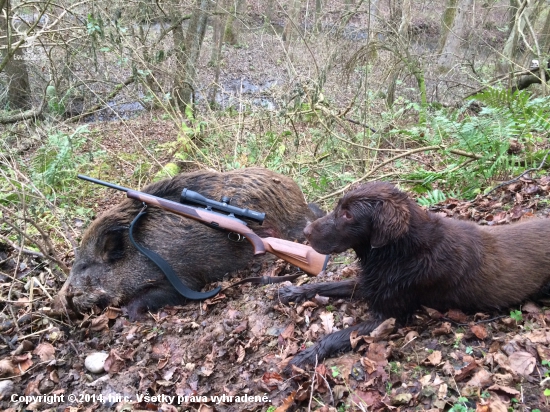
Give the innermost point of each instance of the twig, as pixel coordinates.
(534, 169)
(312, 384)
(366, 126)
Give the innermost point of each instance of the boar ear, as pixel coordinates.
(113, 244)
(390, 221)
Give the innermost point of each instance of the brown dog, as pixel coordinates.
(410, 257)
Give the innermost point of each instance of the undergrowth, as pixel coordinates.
(466, 154)
(485, 138)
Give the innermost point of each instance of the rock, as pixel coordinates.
(6, 388)
(95, 361)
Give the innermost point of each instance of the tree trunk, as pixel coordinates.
(215, 58)
(19, 92)
(511, 51)
(447, 22)
(456, 34)
(318, 10)
(187, 53)
(233, 24)
(291, 21)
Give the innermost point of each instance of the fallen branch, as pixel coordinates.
(27, 114)
(100, 105)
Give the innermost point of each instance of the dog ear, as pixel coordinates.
(390, 221)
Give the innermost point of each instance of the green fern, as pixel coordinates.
(505, 116)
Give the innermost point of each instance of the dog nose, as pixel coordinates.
(307, 231)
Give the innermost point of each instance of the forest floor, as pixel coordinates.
(217, 354)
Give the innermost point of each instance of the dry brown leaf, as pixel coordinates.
(327, 320)
(481, 379)
(384, 329)
(496, 405)
(530, 307)
(112, 313)
(22, 363)
(287, 403)
(480, 331)
(511, 392)
(354, 339)
(442, 392)
(522, 363)
(410, 338)
(100, 323)
(271, 380)
(309, 304)
(288, 332)
(444, 329)
(45, 351)
(457, 316)
(448, 369)
(240, 354)
(434, 358)
(503, 379)
(502, 361)
(433, 313)
(539, 336)
(321, 300)
(465, 371)
(368, 364)
(378, 352)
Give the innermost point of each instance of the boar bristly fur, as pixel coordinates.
(108, 270)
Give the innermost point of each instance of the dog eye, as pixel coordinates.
(347, 215)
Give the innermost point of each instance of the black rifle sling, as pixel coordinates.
(167, 269)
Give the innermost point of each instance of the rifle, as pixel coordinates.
(299, 255)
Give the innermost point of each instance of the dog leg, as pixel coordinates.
(331, 344)
(342, 289)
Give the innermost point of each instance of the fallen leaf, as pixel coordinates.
(287, 403)
(241, 353)
(384, 329)
(465, 371)
(444, 329)
(45, 351)
(327, 320)
(539, 336)
(457, 316)
(480, 331)
(410, 338)
(511, 392)
(354, 339)
(522, 363)
(481, 379)
(100, 323)
(434, 358)
(378, 352)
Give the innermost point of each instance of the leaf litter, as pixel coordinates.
(235, 346)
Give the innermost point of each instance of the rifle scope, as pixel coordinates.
(189, 196)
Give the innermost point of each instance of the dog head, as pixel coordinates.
(372, 215)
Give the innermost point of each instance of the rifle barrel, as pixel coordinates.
(101, 182)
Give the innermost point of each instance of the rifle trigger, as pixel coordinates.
(235, 237)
